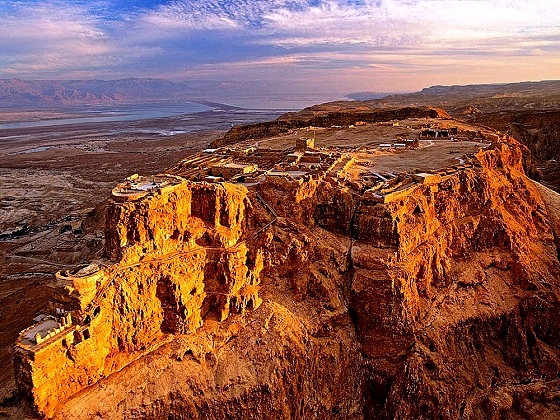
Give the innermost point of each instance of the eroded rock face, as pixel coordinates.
(178, 256)
(456, 302)
(539, 130)
(436, 300)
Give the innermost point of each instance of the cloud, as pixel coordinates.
(50, 37)
(382, 40)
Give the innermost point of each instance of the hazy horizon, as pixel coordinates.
(335, 46)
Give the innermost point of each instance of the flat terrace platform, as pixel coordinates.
(136, 186)
(41, 329)
(196, 167)
(431, 155)
(365, 135)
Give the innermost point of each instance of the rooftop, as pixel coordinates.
(233, 165)
(48, 324)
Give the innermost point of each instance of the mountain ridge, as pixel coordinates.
(40, 94)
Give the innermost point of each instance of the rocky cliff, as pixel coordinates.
(539, 130)
(434, 299)
(176, 256)
(469, 313)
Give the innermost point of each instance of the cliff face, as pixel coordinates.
(459, 308)
(539, 130)
(177, 256)
(442, 282)
(437, 298)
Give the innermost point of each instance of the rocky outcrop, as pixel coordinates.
(440, 281)
(539, 131)
(452, 333)
(177, 256)
(435, 298)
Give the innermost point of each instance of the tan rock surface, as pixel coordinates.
(433, 300)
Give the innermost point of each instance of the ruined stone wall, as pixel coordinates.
(62, 367)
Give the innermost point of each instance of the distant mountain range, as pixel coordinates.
(471, 99)
(367, 96)
(17, 93)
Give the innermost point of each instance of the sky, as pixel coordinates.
(334, 46)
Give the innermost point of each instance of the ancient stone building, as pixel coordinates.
(302, 144)
(230, 170)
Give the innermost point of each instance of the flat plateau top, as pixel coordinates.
(360, 154)
(233, 165)
(431, 155)
(370, 134)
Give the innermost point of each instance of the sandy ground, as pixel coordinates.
(431, 155)
(49, 172)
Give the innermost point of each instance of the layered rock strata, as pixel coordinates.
(434, 298)
(177, 255)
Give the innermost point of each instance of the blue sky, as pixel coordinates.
(336, 46)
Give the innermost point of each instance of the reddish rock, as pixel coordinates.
(439, 300)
